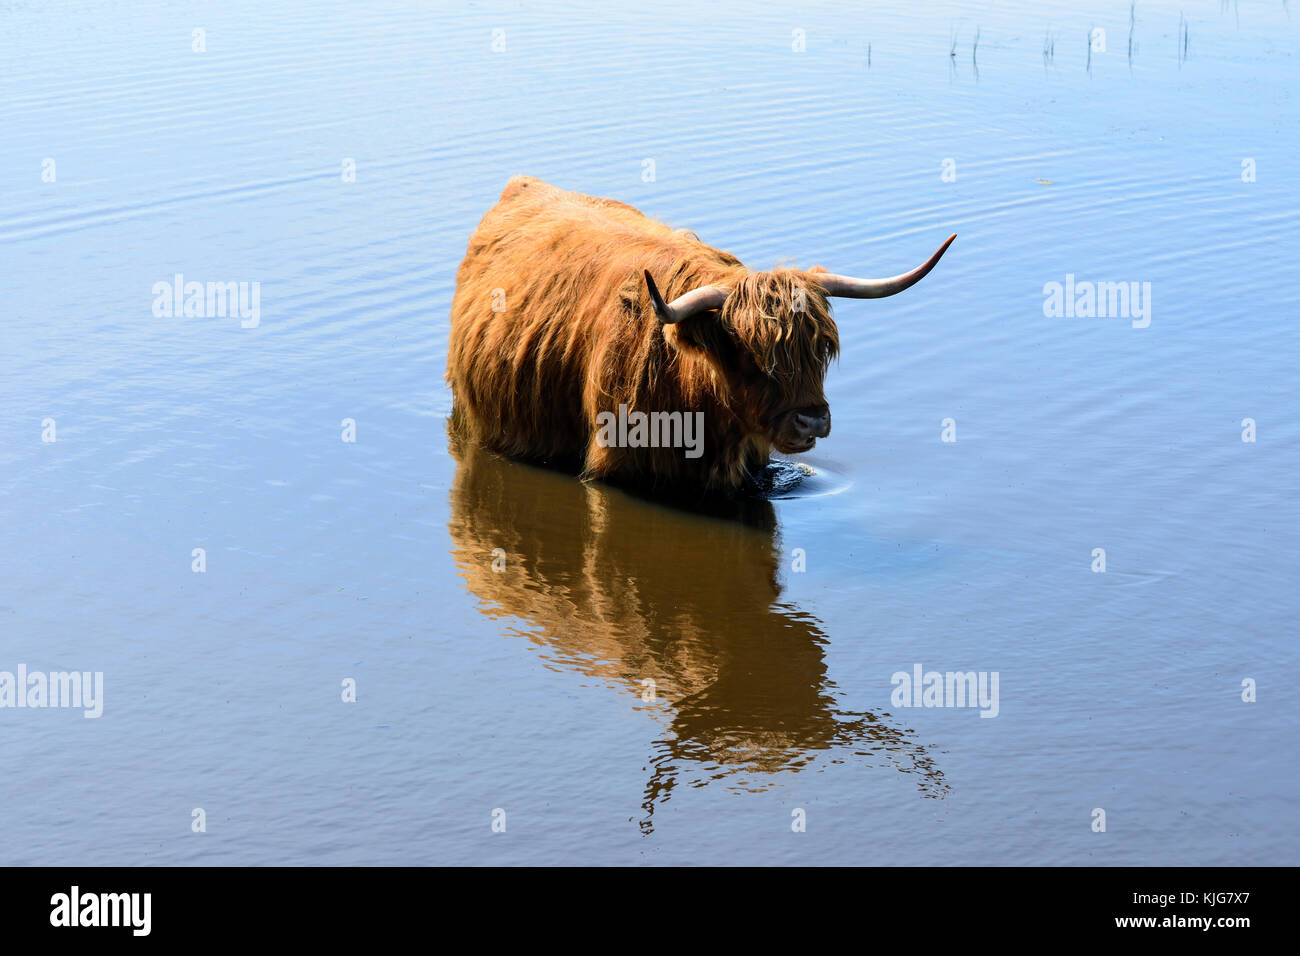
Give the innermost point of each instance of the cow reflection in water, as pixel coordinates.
(630, 591)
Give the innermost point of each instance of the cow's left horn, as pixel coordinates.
(847, 287)
(684, 306)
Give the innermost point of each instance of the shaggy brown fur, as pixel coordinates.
(575, 334)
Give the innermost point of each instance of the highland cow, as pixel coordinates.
(559, 327)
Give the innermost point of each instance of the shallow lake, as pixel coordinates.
(617, 680)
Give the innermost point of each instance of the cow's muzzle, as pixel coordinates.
(798, 430)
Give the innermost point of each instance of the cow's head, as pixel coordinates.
(771, 336)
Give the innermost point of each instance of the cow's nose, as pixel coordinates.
(813, 422)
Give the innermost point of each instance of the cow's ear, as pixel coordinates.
(678, 337)
(699, 333)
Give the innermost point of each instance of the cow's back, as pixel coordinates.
(572, 230)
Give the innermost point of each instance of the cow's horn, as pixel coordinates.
(684, 306)
(847, 287)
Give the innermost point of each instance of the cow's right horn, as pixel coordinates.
(684, 306)
(847, 287)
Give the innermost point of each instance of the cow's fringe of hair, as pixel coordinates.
(788, 341)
